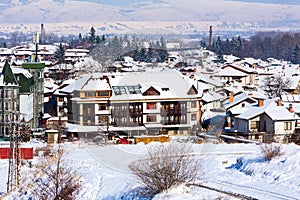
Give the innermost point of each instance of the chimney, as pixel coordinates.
(42, 39)
(260, 102)
(228, 122)
(231, 98)
(250, 94)
(291, 108)
(210, 36)
(279, 102)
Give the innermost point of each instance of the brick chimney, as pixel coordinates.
(291, 108)
(231, 98)
(260, 102)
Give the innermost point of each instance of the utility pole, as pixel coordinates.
(14, 167)
(36, 42)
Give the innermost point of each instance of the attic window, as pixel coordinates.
(119, 90)
(135, 89)
(165, 89)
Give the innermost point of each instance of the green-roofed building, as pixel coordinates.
(37, 71)
(9, 102)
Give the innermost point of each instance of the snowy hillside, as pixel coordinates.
(229, 14)
(231, 169)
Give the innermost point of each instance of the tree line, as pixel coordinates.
(263, 45)
(116, 47)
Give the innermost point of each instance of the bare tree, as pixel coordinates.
(166, 165)
(53, 179)
(270, 151)
(274, 85)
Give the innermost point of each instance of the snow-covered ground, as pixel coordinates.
(232, 168)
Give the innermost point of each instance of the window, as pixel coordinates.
(151, 118)
(60, 99)
(254, 124)
(103, 119)
(194, 117)
(89, 94)
(151, 92)
(287, 126)
(103, 93)
(135, 89)
(119, 90)
(151, 106)
(102, 106)
(194, 104)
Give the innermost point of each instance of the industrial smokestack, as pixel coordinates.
(42, 39)
(210, 36)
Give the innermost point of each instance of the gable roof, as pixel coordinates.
(238, 98)
(151, 88)
(8, 75)
(246, 70)
(192, 90)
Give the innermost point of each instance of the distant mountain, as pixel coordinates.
(229, 14)
(288, 2)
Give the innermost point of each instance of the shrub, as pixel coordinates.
(270, 151)
(165, 166)
(53, 179)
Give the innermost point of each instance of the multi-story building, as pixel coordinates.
(151, 102)
(36, 69)
(9, 102)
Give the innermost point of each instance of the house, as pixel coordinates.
(240, 70)
(49, 98)
(234, 105)
(272, 121)
(229, 75)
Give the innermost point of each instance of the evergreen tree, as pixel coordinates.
(202, 44)
(80, 37)
(295, 57)
(233, 46)
(219, 50)
(98, 39)
(163, 44)
(59, 54)
(239, 44)
(92, 37)
(103, 38)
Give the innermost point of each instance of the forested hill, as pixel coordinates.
(280, 45)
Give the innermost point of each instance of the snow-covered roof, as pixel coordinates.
(244, 69)
(169, 83)
(210, 79)
(96, 84)
(212, 96)
(76, 85)
(49, 85)
(230, 72)
(238, 98)
(25, 72)
(271, 108)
